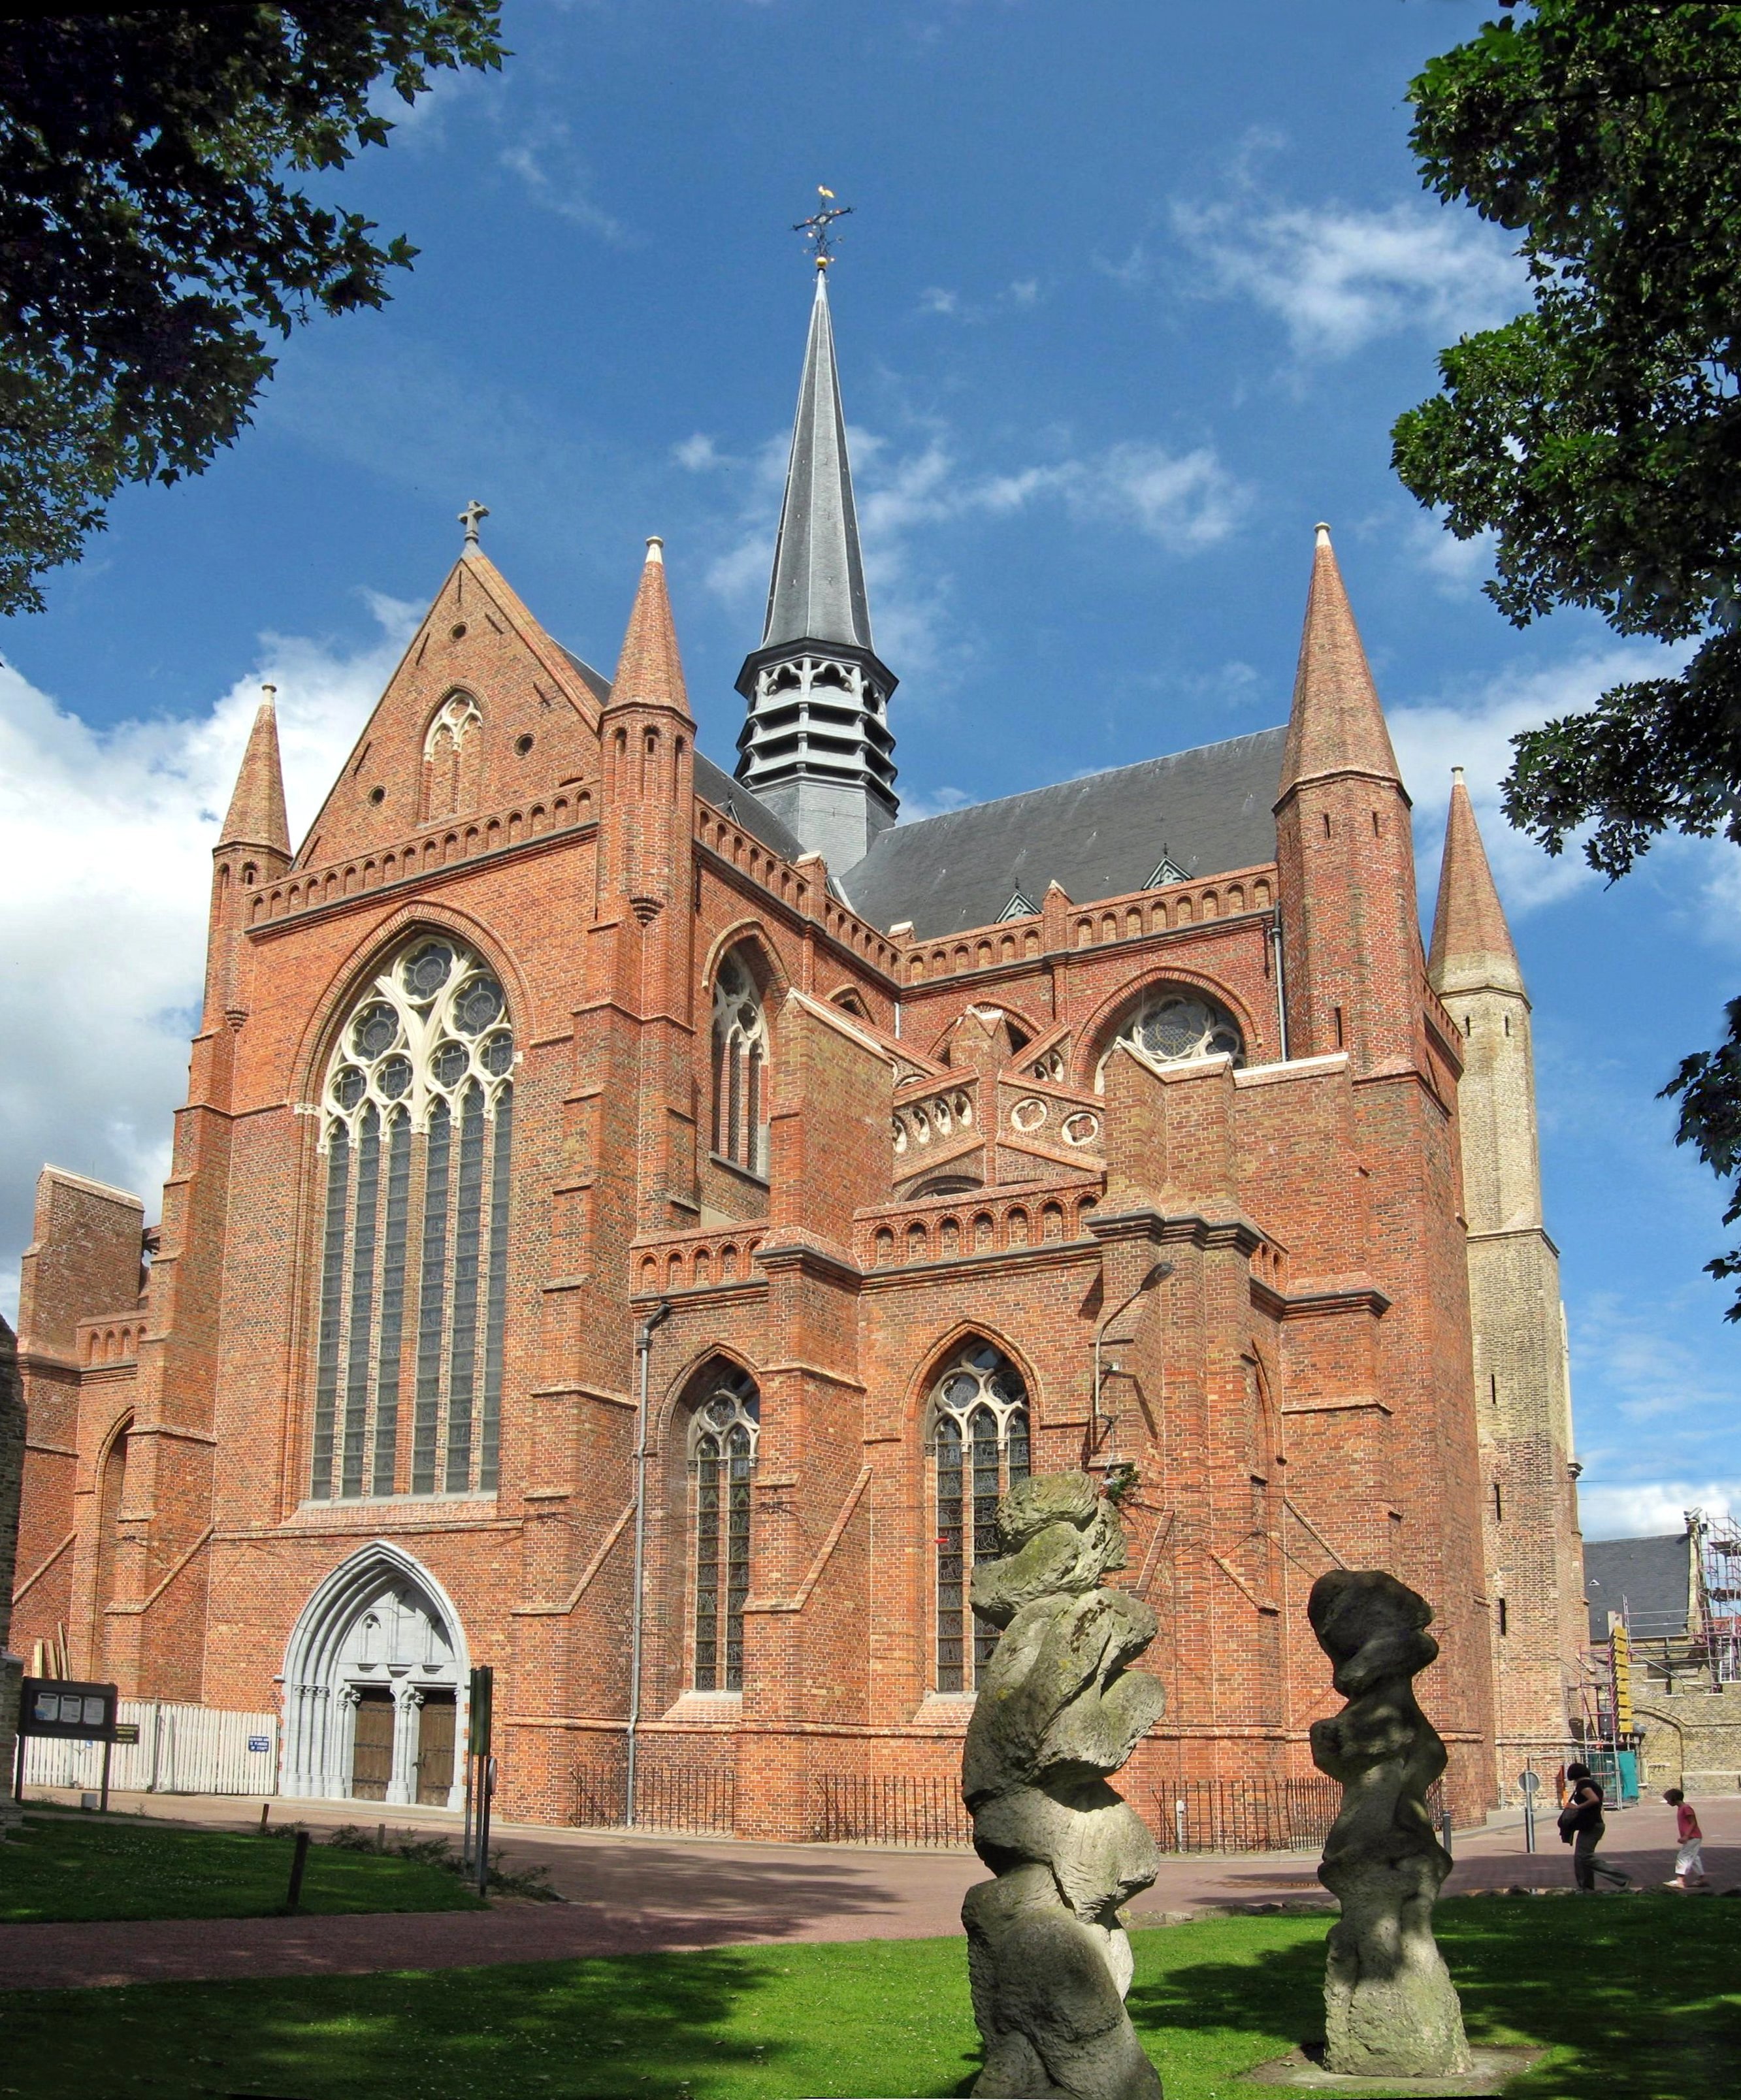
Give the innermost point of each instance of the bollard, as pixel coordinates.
(298, 1861)
(266, 1809)
(1178, 1823)
(380, 1836)
(1444, 1829)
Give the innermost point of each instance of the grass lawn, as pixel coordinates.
(1634, 1995)
(82, 1867)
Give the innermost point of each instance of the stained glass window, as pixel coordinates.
(740, 1051)
(723, 1456)
(416, 1129)
(979, 1435)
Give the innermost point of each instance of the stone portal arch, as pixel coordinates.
(374, 1667)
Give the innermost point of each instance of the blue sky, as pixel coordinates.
(1129, 299)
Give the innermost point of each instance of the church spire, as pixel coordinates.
(1472, 945)
(257, 814)
(817, 590)
(815, 748)
(649, 672)
(1337, 726)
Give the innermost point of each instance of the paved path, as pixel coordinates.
(630, 1894)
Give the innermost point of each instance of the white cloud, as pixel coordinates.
(935, 802)
(1458, 568)
(934, 299)
(1473, 727)
(1186, 501)
(1651, 1509)
(1338, 277)
(544, 158)
(105, 842)
(700, 455)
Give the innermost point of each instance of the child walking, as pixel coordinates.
(1689, 1868)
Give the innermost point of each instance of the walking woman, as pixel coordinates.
(1581, 1827)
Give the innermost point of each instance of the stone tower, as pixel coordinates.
(815, 748)
(1535, 1556)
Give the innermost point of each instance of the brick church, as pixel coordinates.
(631, 1220)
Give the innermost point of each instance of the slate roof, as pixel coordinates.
(1205, 810)
(736, 801)
(1649, 1578)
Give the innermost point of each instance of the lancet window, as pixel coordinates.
(979, 1448)
(722, 1434)
(740, 1066)
(453, 757)
(416, 1131)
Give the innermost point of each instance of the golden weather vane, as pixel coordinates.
(819, 228)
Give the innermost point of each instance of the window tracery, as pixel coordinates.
(740, 1057)
(1173, 1022)
(453, 748)
(416, 1130)
(979, 1449)
(722, 1434)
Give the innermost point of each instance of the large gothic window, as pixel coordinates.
(722, 1433)
(979, 1442)
(740, 1107)
(416, 1127)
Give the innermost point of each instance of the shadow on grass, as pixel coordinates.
(1630, 1995)
(740, 2023)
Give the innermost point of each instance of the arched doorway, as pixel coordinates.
(375, 1684)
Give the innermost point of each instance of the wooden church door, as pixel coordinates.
(435, 1762)
(372, 1757)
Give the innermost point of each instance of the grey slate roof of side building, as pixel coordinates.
(1205, 810)
(1650, 1579)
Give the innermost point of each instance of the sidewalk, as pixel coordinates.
(628, 1894)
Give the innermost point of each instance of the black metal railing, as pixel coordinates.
(1253, 1814)
(908, 1809)
(667, 1796)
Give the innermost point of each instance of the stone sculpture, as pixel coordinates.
(1391, 2009)
(1058, 1709)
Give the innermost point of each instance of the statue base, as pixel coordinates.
(1490, 2072)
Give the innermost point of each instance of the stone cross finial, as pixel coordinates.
(470, 518)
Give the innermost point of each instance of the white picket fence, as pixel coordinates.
(181, 1750)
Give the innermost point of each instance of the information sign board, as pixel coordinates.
(58, 1706)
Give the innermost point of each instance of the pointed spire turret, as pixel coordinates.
(817, 590)
(649, 672)
(1337, 725)
(1472, 945)
(257, 814)
(816, 748)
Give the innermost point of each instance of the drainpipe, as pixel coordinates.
(1158, 1274)
(1281, 983)
(643, 1348)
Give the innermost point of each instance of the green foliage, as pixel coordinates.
(1629, 1994)
(152, 234)
(82, 1867)
(1598, 436)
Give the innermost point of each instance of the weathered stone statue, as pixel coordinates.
(1391, 2009)
(1058, 1709)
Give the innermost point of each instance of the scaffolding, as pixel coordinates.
(1716, 1580)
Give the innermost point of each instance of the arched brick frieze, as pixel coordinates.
(1095, 1038)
